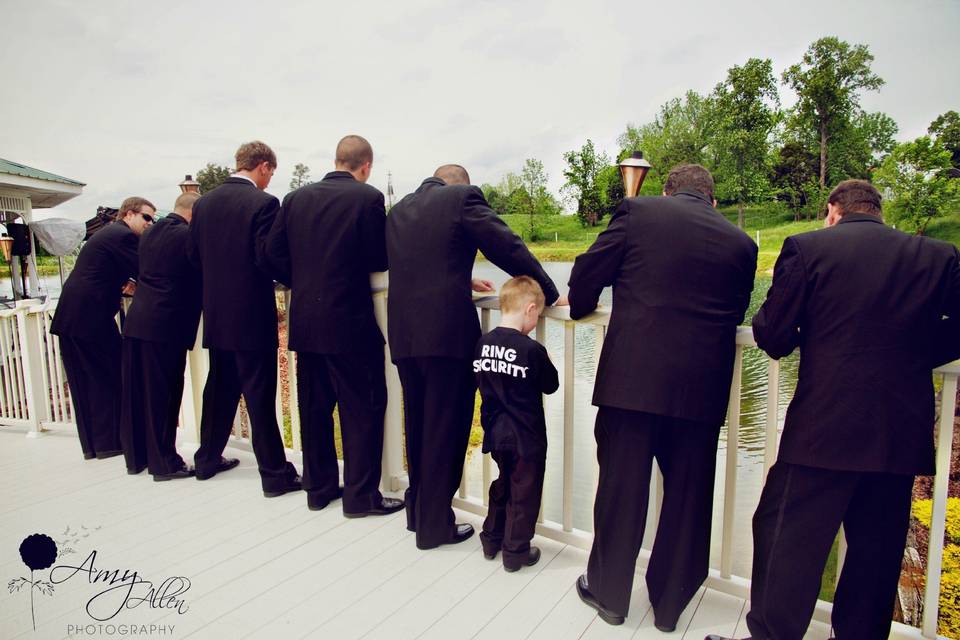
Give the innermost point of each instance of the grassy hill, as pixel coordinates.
(562, 238)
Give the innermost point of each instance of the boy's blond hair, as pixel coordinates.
(517, 292)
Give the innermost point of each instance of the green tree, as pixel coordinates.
(917, 185)
(946, 128)
(828, 82)
(301, 176)
(212, 176)
(583, 169)
(794, 176)
(746, 110)
(679, 134)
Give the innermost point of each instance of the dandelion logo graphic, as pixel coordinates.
(39, 552)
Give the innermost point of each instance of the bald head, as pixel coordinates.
(183, 207)
(352, 153)
(452, 174)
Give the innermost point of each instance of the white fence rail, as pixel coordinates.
(34, 393)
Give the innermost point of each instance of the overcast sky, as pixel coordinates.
(130, 96)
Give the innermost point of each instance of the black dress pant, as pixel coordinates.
(686, 452)
(797, 520)
(355, 382)
(438, 399)
(150, 410)
(93, 373)
(253, 374)
(513, 506)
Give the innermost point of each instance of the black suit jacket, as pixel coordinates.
(91, 295)
(432, 239)
(229, 227)
(682, 277)
(864, 303)
(326, 241)
(166, 306)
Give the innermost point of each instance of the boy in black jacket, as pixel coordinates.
(513, 371)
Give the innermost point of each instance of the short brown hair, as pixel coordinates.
(353, 151)
(856, 196)
(251, 155)
(186, 200)
(134, 204)
(689, 176)
(452, 174)
(518, 292)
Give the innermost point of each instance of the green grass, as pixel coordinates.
(562, 238)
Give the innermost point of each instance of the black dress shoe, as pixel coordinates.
(533, 557)
(136, 471)
(225, 464)
(716, 637)
(317, 502)
(665, 628)
(186, 471)
(103, 455)
(290, 485)
(460, 533)
(386, 507)
(89, 455)
(583, 590)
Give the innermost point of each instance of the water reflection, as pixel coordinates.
(587, 342)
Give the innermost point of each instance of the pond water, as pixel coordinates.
(753, 416)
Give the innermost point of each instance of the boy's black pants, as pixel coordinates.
(514, 506)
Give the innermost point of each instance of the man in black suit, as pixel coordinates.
(325, 243)
(682, 277)
(160, 328)
(86, 325)
(865, 304)
(230, 225)
(432, 239)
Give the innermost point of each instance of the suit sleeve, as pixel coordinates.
(549, 378)
(262, 223)
(947, 333)
(598, 267)
(746, 288)
(276, 249)
(129, 255)
(776, 327)
(501, 245)
(373, 235)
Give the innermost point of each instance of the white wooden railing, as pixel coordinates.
(34, 394)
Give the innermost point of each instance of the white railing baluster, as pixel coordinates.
(773, 416)
(730, 486)
(8, 379)
(21, 385)
(941, 482)
(569, 355)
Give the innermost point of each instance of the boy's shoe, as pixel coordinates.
(583, 590)
(533, 557)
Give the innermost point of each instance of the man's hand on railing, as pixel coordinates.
(481, 286)
(562, 301)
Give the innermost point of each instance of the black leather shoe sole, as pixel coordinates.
(89, 456)
(589, 600)
(316, 503)
(285, 490)
(665, 628)
(532, 558)
(225, 465)
(176, 475)
(376, 511)
(103, 455)
(135, 472)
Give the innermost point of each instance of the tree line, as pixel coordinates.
(757, 151)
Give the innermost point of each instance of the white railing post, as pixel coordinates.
(941, 482)
(194, 379)
(730, 486)
(569, 354)
(31, 366)
(392, 461)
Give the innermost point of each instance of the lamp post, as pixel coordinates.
(189, 185)
(634, 170)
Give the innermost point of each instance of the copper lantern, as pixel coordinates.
(633, 169)
(189, 185)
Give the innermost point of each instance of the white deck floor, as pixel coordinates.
(273, 569)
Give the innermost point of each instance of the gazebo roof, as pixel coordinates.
(44, 189)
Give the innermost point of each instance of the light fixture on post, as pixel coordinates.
(633, 169)
(189, 185)
(6, 244)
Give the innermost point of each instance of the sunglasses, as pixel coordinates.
(147, 218)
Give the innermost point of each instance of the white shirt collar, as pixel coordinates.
(237, 175)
